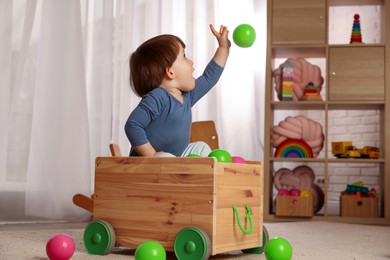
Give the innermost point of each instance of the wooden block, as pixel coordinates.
(359, 207)
(294, 206)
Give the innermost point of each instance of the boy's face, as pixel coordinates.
(183, 69)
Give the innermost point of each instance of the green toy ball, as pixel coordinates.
(150, 250)
(278, 249)
(244, 35)
(221, 155)
(193, 155)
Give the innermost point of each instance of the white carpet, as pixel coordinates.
(310, 240)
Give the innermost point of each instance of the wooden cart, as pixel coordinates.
(196, 207)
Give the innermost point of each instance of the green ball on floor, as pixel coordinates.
(278, 249)
(150, 250)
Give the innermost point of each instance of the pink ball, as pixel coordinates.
(283, 192)
(295, 192)
(60, 247)
(238, 159)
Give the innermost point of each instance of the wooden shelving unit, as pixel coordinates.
(356, 77)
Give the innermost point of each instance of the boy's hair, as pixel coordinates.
(150, 61)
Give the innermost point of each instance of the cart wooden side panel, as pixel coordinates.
(239, 185)
(153, 198)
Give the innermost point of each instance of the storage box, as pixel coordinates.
(294, 206)
(358, 207)
(155, 198)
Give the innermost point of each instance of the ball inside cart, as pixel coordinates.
(60, 247)
(193, 155)
(278, 249)
(221, 155)
(150, 250)
(238, 159)
(244, 35)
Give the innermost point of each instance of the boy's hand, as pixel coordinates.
(221, 36)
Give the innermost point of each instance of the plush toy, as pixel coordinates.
(301, 178)
(303, 73)
(302, 128)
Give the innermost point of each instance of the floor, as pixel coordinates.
(309, 239)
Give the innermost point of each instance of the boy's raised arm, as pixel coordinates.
(222, 53)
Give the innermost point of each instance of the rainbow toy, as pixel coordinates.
(293, 148)
(287, 82)
(311, 92)
(356, 36)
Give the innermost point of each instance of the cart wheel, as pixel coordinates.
(192, 243)
(99, 237)
(258, 250)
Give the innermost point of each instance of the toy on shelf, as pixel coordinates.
(299, 128)
(356, 35)
(311, 93)
(345, 149)
(302, 73)
(371, 152)
(293, 148)
(295, 192)
(359, 201)
(359, 190)
(294, 206)
(287, 82)
(301, 178)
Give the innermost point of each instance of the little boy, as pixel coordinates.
(161, 74)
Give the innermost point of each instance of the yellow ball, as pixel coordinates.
(306, 193)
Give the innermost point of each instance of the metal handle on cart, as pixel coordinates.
(249, 217)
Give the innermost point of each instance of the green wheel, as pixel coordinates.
(99, 237)
(258, 250)
(192, 243)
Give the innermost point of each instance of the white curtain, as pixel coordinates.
(59, 150)
(65, 92)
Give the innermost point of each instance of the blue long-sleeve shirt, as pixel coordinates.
(164, 121)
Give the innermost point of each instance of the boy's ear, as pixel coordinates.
(169, 73)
